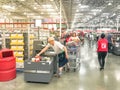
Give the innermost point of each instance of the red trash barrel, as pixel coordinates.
(8, 74)
(7, 65)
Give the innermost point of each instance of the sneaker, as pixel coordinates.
(59, 75)
(68, 70)
(101, 69)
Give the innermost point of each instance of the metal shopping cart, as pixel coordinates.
(74, 56)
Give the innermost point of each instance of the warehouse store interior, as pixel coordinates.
(25, 29)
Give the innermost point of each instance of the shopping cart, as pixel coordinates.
(74, 56)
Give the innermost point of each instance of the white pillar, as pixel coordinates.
(60, 17)
(28, 42)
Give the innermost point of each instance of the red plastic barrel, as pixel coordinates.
(7, 63)
(7, 75)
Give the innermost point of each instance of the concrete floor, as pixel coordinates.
(88, 78)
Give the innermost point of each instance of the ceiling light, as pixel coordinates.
(51, 10)
(109, 3)
(84, 6)
(8, 7)
(96, 10)
(30, 14)
(77, 10)
(42, 13)
(24, 13)
(47, 6)
(79, 14)
(54, 13)
(113, 14)
(21, 0)
(35, 7)
(94, 13)
(36, 17)
(107, 17)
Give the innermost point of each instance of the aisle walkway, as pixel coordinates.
(88, 78)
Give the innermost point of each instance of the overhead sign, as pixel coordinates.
(38, 23)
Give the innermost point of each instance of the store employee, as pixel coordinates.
(59, 49)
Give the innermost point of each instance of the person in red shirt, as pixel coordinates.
(102, 49)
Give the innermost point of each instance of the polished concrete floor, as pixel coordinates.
(87, 78)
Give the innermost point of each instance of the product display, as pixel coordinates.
(1, 41)
(28, 45)
(17, 44)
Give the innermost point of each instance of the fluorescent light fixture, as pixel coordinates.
(47, 6)
(96, 10)
(30, 14)
(79, 4)
(114, 14)
(35, 7)
(109, 3)
(8, 7)
(51, 10)
(79, 14)
(55, 16)
(22, 0)
(104, 14)
(83, 6)
(42, 12)
(36, 17)
(77, 10)
(25, 13)
(54, 13)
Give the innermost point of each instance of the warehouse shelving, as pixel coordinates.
(17, 45)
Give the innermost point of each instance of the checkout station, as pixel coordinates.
(43, 70)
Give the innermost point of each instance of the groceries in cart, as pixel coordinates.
(36, 59)
(39, 58)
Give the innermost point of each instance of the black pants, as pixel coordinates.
(110, 47)
(101, 58)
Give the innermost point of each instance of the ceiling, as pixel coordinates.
(77, 13)
(28, 9)
(92, 13)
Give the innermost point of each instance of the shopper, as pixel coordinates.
(110, 42)
(60, 50)
(102, 49)
(75, 38)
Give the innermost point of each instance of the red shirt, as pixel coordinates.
(102, 45)
(68, 39)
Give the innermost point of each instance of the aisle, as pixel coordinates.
(88, 78)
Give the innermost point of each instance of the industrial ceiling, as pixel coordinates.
(104, 13)
(77, 13)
